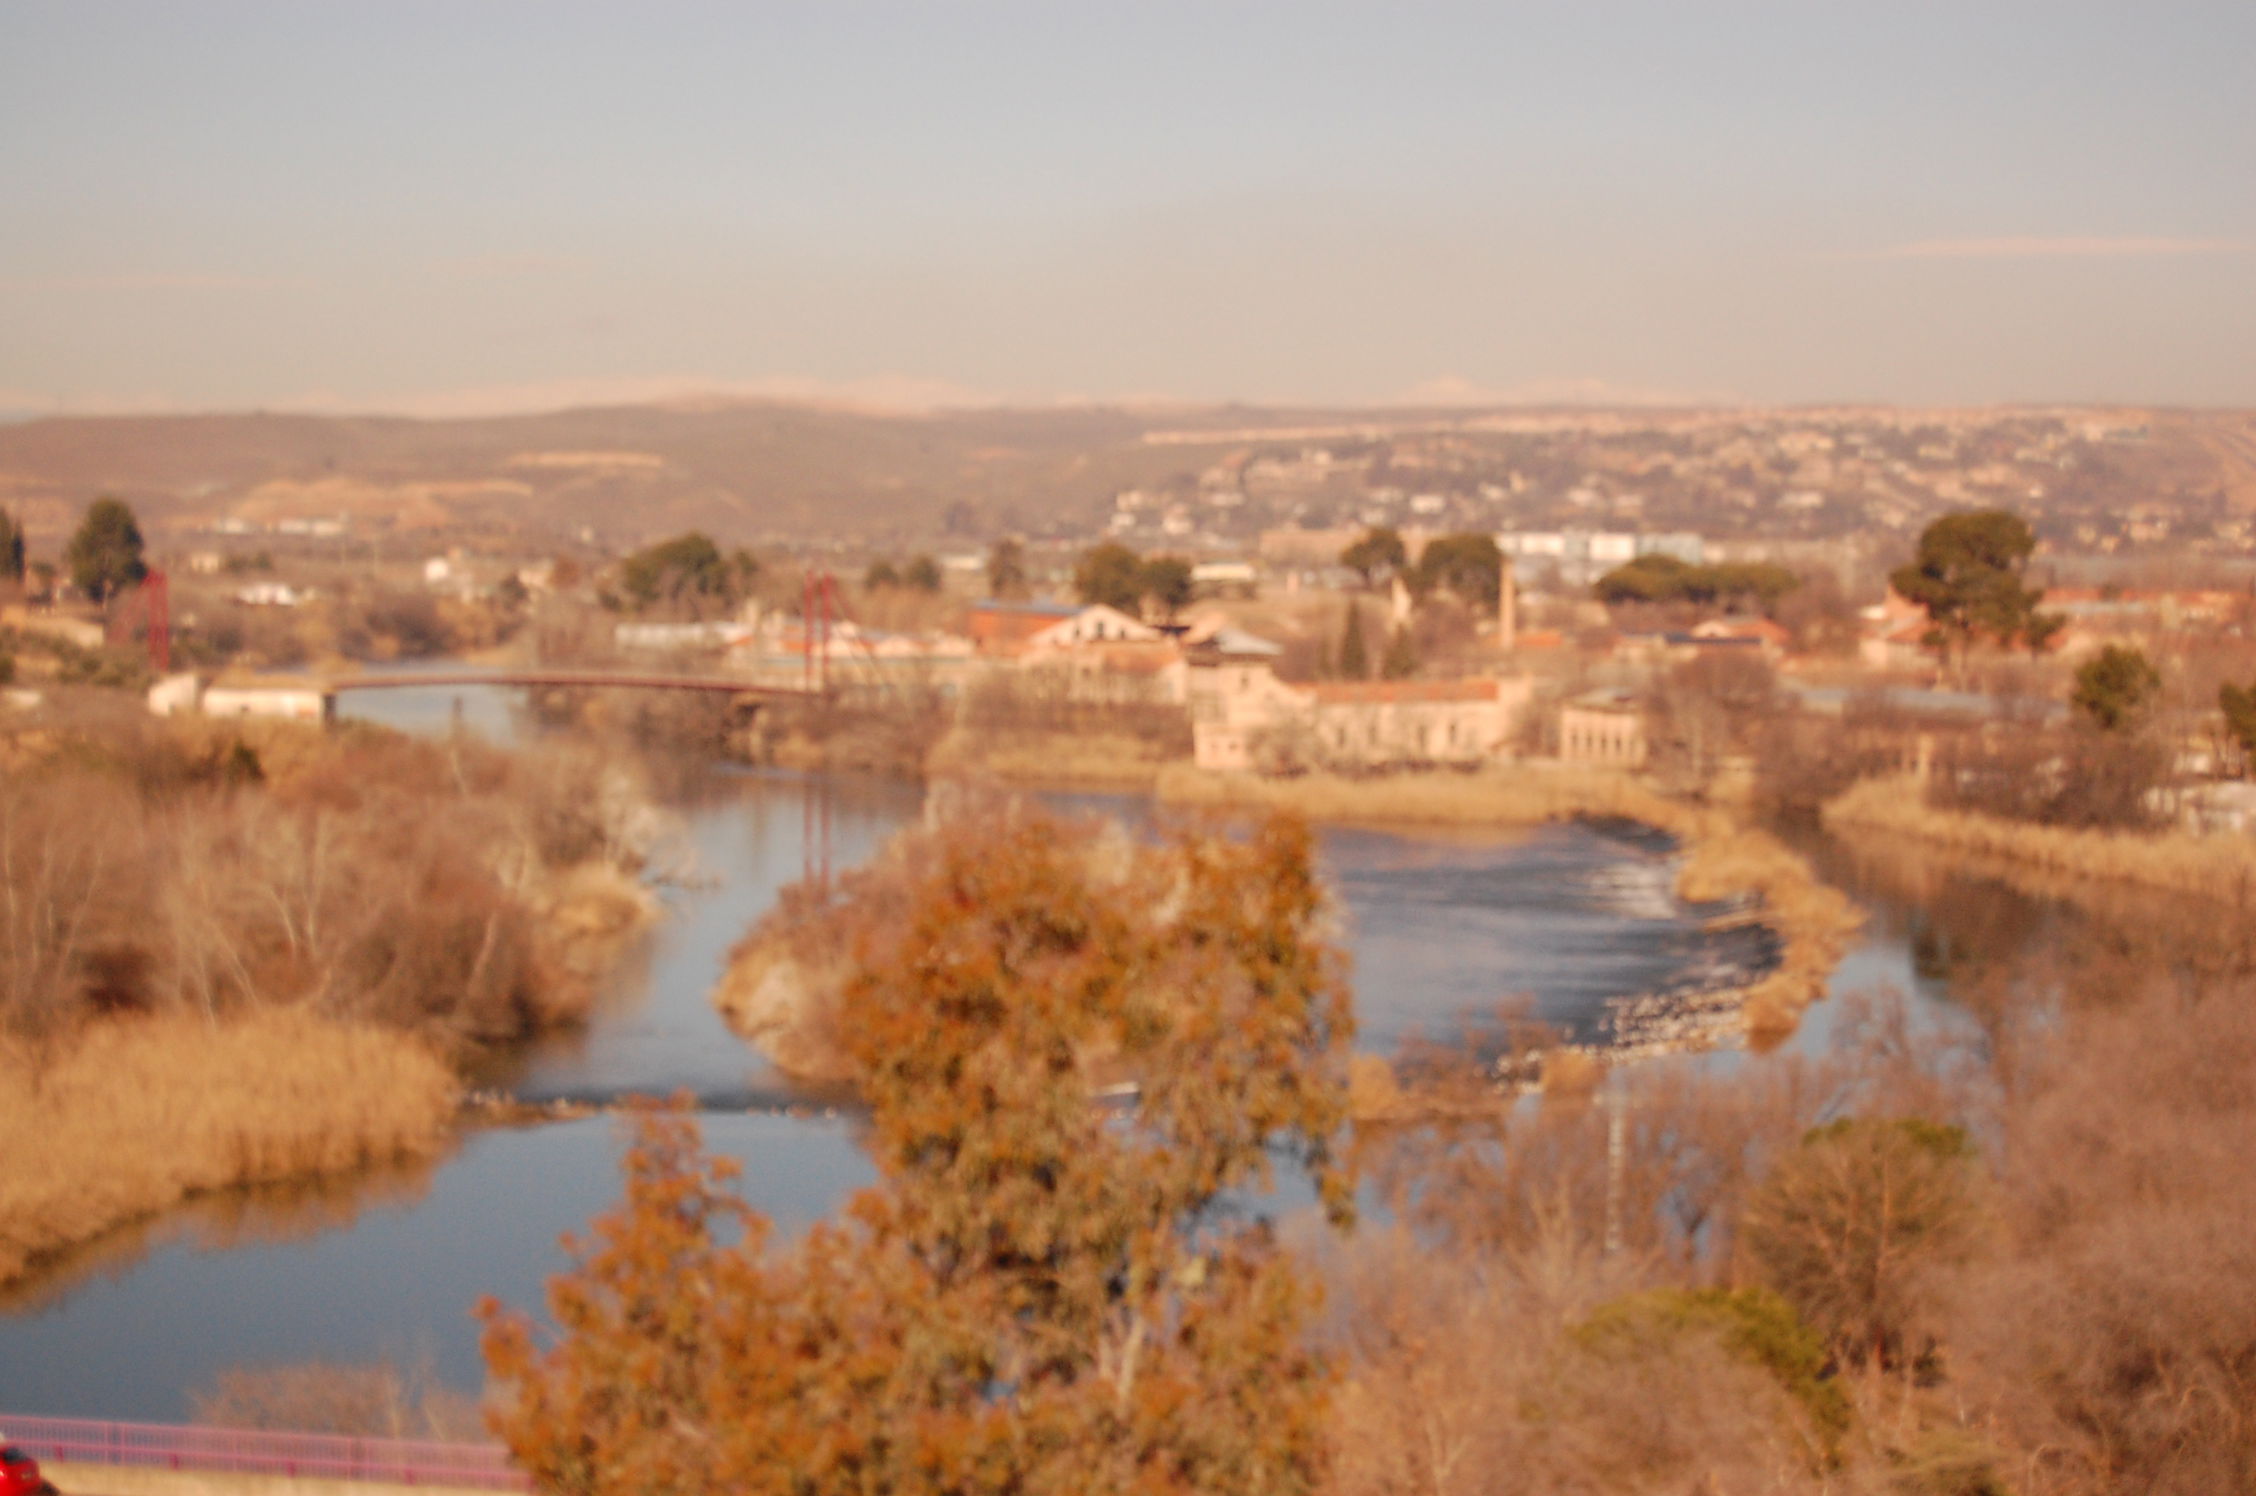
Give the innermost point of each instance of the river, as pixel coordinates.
(388, 1266)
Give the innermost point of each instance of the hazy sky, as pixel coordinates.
(479, 204)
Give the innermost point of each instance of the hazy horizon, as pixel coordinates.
(431, 209)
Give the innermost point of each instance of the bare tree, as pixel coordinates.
(1854, 1224)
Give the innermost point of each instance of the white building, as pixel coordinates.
(1100, 654)
(1371, 724)
(303, 701)
(273, 595)
(1243, 717)
(1237, 703)
(1095, 624)
(671, 638)
(1602, 727)
(1214, 578)
(175, 694)
(1583, 556)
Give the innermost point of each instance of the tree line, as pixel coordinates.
(1468, 564)
(104, 557)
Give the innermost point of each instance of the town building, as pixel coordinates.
(273, 595)
(1003, 629)
(1244, 718)
(1755, 637)
(1602, 727)
(1375, 724)
(1095, 624)
(295, 698)
(1224, 579)
(1581, 557)
(1894, 634)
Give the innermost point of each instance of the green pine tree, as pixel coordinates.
(105, 555)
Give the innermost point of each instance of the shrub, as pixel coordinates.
(1852, 1226)
(1042, 1294)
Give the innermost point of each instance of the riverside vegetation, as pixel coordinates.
(2209, 867)
(239, 954)
(786, 987)
(2010, 1253)
(1041, 1295)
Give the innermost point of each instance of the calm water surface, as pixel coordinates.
(1563, 918)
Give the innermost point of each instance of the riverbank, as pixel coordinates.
(1038, 759)
(134, 1116)
(1724, 861)
(248, 953)
(2218, 868)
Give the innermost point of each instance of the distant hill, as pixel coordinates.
(769, 472)
(746, 472)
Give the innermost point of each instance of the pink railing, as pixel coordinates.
(168, 1446)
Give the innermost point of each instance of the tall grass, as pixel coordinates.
(1724, 859)
(133, 1116)
(1108, 759)
(244, 953)
(2213, 867)
(1814, 921)
(1032, 731)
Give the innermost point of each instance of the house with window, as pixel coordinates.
(1244, 718)
(1101, 654)
(1379, 723)
(1238, 705)
(1603, 727)
(1001, 630)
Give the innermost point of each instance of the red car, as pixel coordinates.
(19, 1473)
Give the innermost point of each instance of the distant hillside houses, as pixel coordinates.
(1583, 556)
(1895, 630)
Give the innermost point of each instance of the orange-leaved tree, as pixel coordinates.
(1046, 1292)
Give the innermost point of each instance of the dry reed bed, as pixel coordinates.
(134, 1116)
(241, 954)
(1109, 760)
(1723, 859)
(2214, 867)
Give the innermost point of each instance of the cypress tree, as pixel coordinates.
(1401, 659)
(1354, 659)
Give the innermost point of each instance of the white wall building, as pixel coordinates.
(1095, 624)
(302, 701)
(1243, 717)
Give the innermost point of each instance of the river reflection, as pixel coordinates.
(748, 835)
(398, 1283)
(2001, 943)
(1439, 927)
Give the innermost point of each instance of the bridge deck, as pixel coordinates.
(632, 679)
